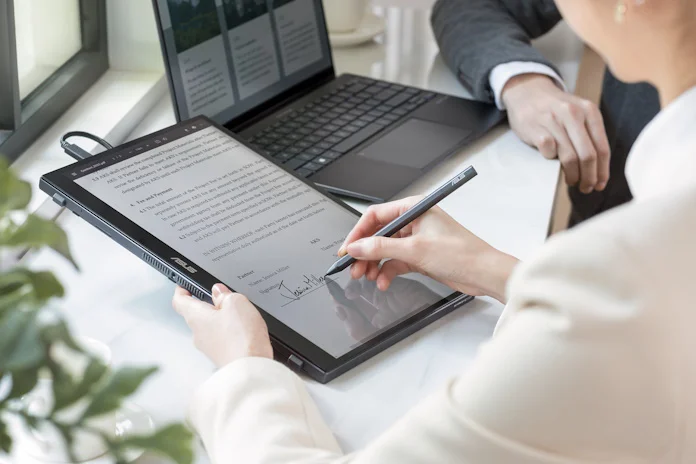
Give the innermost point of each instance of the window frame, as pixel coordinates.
(23, 121)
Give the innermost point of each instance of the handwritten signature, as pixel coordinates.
(308, 284)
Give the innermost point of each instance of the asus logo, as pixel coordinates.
(185, 265)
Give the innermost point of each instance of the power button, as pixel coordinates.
(295, 363)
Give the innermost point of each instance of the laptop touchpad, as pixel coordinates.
(415, 144)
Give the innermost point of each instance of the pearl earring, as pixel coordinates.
(620, 12)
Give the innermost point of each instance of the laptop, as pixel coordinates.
(263, 69)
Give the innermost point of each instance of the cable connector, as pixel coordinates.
(77, 152)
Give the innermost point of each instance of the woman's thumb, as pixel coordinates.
(378, 248)
(219, 292)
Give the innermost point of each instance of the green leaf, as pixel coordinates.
(15, 194)
(23, 382)
(5, 439)
(20, 342)
(174, 441)
(122, 383)
(35, 287)
(60, 332)
(37, 232)
(76, 391)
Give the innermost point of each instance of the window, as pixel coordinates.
(51, 52)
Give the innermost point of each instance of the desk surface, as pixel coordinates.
(118, 299)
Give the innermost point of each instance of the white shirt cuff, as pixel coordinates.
(502, 73)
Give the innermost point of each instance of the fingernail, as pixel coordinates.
(601, 185)
(357, 249)
(219, 290)
(342, 251)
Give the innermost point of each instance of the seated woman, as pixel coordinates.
(594, 359)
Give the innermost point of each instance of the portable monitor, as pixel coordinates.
(201, 207)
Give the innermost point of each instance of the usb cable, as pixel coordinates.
(77, 152)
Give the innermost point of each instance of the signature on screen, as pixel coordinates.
(294, 292)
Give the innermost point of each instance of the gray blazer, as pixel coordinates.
(477, 35)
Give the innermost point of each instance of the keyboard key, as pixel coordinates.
(381, 84)
(355, 88)
(322, 161)
(315, 151)
(332, 154)
(313, 138)
(411, 91)
(342, 133)
(351, 128)
(283, 156)
(324, 145)
(294, 150)
(302, 172)
(306, 156)
(302, 119)
(294, 163)
(410, 106)
(283, 130)
(322, 133)
(322, 119)
(313, 125)
(360, 123)
(346, 117)
(304, 131)
(332, 114)
(335, 100)
(367, 118)
(294, 136)
(333, 139)
(356, 113)
(400, 111)
(344, 94)
(357, 138)
(312, 114)
(376, 113)
(356, 100)
(275, 148)
(383, 122)
(303, 144)
(397, 100)
(372, 102)
(364, 107)
(331, 127)
(391, 117)
(372, 90)
(384, 95)
(292, 124)
(313, 166)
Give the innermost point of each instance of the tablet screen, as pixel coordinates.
(256, 228)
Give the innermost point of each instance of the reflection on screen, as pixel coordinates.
(228, 56)
(257, 229)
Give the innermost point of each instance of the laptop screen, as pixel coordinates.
(227, 57)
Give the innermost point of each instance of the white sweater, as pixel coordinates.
(594, 359)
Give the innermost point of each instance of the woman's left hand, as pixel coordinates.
(230, 330)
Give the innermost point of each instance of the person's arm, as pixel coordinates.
(475, 36)
(578, 372)
(487, 43)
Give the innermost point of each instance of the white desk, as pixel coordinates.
(122, 301)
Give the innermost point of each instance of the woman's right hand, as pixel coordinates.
(434, 245)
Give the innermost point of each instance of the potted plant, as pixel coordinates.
(32, 336)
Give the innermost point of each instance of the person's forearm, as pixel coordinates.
(475, 36)
(497, 267)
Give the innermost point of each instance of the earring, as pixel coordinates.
(620, 12)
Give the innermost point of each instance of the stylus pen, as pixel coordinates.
(412, 214)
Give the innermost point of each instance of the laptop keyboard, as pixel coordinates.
(314, 136)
